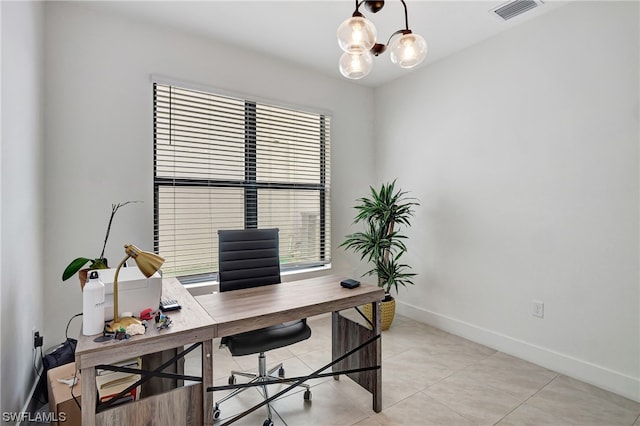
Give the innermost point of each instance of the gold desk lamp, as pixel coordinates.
(148, 263)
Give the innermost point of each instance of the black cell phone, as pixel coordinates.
(349, 283)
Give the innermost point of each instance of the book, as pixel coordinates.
(110, 385)
(129, 363)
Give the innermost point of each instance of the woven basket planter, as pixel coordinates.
(388, 311)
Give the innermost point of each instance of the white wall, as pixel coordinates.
(22, 197)
(524, 153)
(99, 141)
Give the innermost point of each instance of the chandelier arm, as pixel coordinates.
(406, 17)
(378, 48)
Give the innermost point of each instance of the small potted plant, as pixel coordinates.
(77, 264)
(381, 243)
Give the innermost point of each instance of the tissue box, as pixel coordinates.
(135, 291)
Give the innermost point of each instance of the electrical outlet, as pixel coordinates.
(38, 340)
(538, 309)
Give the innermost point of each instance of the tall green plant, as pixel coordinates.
(381, 244)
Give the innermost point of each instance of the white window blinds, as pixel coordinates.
(229, 163)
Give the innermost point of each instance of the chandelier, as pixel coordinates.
(357, 37)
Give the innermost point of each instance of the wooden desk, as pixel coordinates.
(249, 309)
(181, 406)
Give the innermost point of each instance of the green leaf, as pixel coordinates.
(74, 267)
(99, 263)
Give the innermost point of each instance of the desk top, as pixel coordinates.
(252, 308)
(189, 325)
(228, 313)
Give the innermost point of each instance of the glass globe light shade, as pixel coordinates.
(356, 34)
(356, 65)
(408, 50)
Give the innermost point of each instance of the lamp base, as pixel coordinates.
(114, 327)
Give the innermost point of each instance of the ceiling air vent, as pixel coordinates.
(516, 7)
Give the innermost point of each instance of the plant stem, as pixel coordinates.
(114, 209)
(387, 251)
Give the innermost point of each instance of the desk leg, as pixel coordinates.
(207, 381)
(377, 379)
(347, 335)
(89, 398)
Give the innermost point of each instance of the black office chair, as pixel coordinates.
(250, 258)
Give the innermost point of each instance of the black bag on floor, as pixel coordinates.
(63, 354)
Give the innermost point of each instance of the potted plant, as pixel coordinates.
(77, 264)
(381, 243)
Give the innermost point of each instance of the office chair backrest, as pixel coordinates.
(248, 258)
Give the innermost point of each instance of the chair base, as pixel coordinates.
(263, 375)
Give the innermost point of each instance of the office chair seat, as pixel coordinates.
(268, 338)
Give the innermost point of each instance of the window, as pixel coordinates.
(227, 163)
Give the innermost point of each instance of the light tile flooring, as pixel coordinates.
(429, 377)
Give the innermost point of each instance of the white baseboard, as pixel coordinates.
(602, 377)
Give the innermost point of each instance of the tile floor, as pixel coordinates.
(430, 377)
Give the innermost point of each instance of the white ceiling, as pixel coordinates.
(304, 31)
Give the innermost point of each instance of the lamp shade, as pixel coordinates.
(408, 50)
(356, 34)
(356, 65)
(148, 263)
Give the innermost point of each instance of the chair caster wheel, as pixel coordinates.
(232, 379)
(267, 422)
(216, 412)
(281, 372)
(307, 395)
